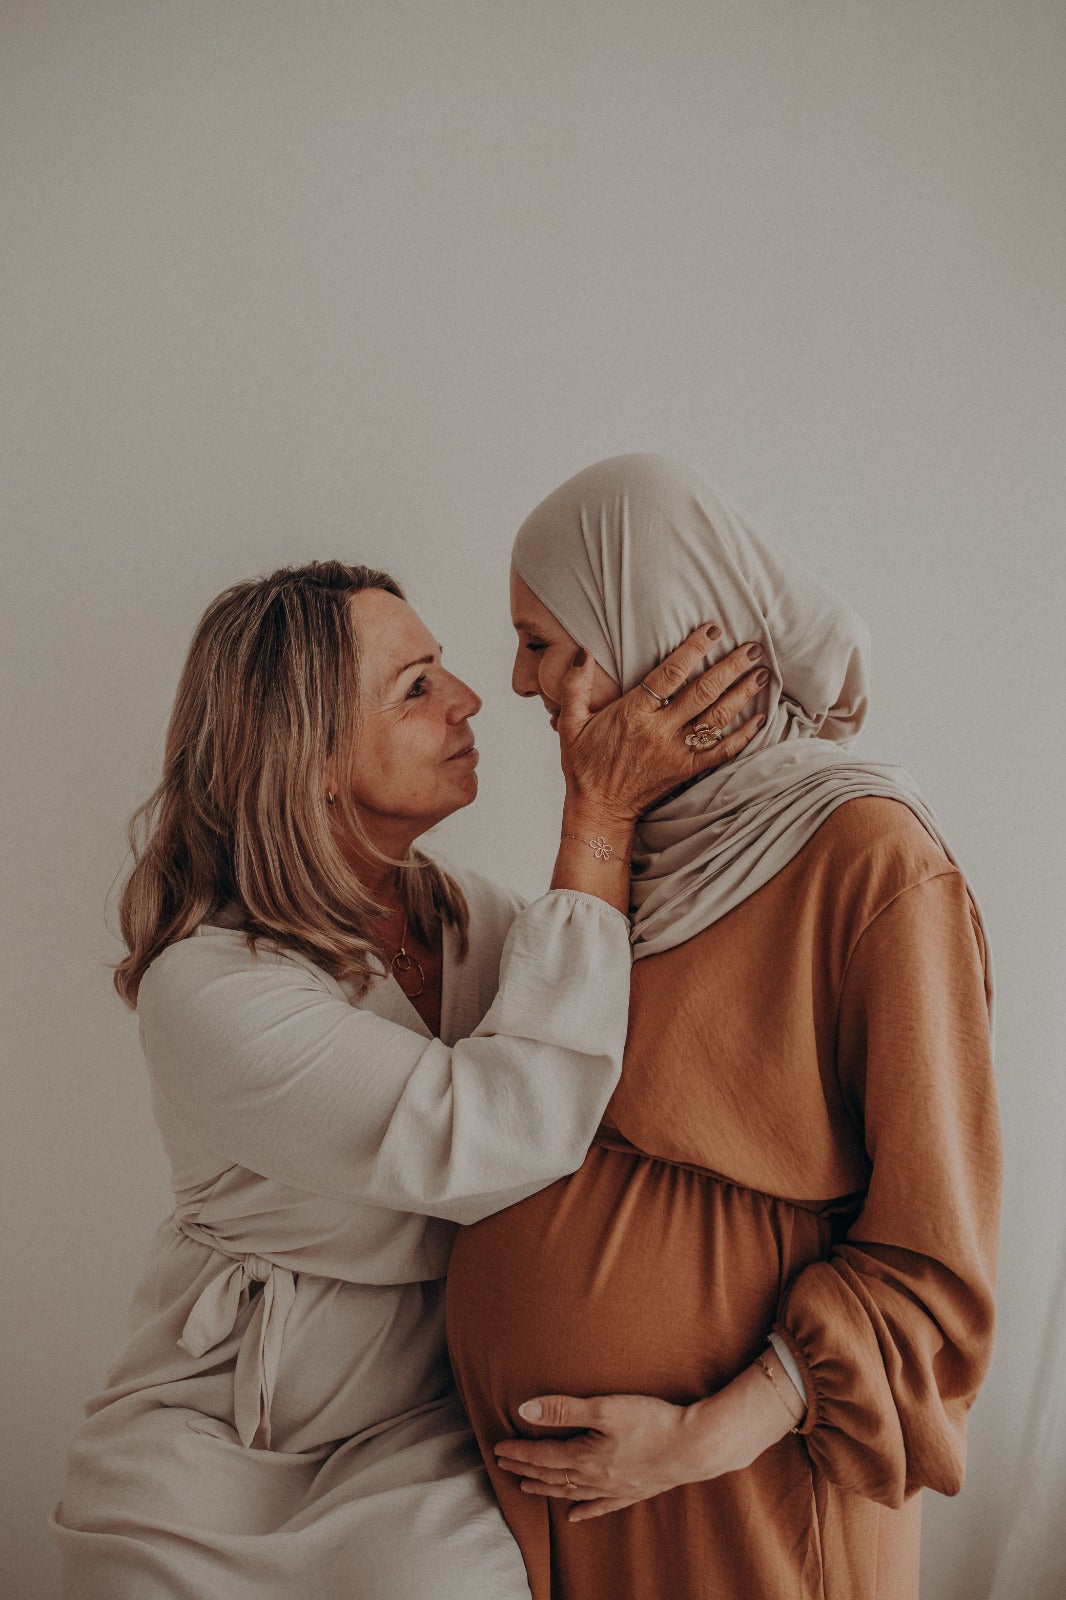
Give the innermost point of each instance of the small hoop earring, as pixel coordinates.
(329, 797)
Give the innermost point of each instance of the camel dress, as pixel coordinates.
(805, 1140)
(282, 1421)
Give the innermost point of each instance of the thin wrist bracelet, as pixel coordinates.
(599, 847)
(768, 1372)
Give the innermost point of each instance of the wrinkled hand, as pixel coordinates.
(630, 753)
(632, 1447)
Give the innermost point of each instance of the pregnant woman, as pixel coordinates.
(350, 1051)
(719, 1361)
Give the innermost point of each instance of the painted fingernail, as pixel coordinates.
(531, 1410)
(713, 631)
(762, 676)
(754, 651)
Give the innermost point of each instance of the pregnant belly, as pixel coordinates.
(631, 1276)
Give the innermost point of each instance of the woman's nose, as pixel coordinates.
(465, 703)
(523, 675)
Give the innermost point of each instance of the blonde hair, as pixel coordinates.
(268, 695)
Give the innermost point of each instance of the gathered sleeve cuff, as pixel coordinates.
(892, 1335)
(264, 1059)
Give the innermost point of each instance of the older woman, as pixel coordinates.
(350, 1051)
(751, 1325)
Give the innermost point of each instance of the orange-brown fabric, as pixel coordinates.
(805, 1137)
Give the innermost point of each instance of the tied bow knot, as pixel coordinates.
(214, 1318)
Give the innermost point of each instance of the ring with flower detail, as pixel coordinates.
(704, 737)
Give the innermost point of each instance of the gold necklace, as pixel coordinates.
(402, 963)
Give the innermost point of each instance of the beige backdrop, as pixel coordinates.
(365, 280)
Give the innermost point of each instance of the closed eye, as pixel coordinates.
(534, 646)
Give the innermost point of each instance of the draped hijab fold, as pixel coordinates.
(630, 556)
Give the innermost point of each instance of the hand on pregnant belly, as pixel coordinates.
(633, 1446)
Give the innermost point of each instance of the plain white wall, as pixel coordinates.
(367, 280)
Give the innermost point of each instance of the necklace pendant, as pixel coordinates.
(400, 965)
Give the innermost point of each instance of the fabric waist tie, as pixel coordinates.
(214, 1317)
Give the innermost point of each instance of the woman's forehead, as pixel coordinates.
(391, 634)
(528, 612)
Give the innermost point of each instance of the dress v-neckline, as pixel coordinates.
(390, 998)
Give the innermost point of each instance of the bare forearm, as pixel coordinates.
(635, 1446)
(732, 1428)
(594, 854)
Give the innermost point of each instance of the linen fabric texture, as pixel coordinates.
(804, 1138)
(283, 1417)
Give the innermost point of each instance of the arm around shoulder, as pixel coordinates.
(263, 1058)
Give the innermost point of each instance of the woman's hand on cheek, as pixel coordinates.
(634, 750)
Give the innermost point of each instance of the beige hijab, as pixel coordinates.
(631, 555)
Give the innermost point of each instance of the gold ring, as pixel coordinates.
(704, 737)
(660, 700)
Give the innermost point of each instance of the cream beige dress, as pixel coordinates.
(282, 1420)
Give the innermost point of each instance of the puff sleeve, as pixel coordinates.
(893, 1333)
(263, 1059)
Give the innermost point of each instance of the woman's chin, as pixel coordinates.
(466, 791)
